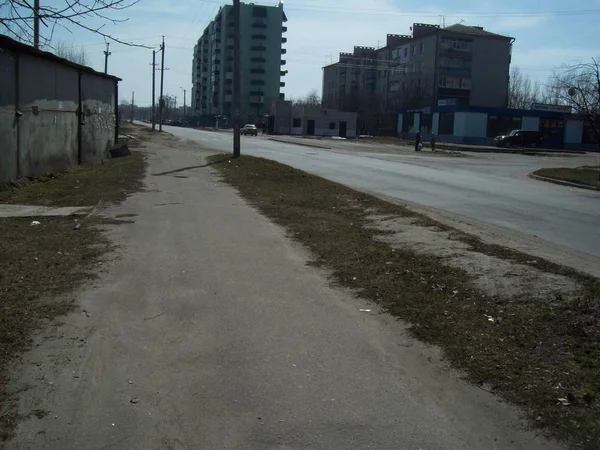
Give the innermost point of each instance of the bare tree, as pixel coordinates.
(523, 92)
(17, 17)
(311, 99)
(579, 87)
(72, 53)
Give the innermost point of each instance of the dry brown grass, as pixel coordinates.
(539, 351)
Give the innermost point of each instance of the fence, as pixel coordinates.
(53, 113)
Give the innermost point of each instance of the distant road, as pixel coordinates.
(491, 188)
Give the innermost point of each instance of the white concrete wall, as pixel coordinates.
(435, 123)
(417, 122)
(460, 124)
(295, 130)
(530, 123)
(573, 131)
(476, 125)
(470, 124)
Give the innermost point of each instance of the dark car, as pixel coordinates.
(519, 138)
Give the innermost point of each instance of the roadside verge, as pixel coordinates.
(45, 258)
(582, 178)
(536, 346)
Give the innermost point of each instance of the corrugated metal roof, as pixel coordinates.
(11, 44)
(476, 31)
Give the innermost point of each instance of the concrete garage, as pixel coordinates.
(311, 120)
(53, 113)
(479, 125)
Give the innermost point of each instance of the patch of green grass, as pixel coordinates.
(587, 176)
(541, 350)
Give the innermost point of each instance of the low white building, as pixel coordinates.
(479, 126)
(311, 120)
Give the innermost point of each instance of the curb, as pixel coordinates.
(300, 143)
(563, 182)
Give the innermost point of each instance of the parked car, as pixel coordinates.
(249, 130)
(519, 138)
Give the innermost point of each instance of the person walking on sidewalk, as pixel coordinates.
(432, 142)
(418, 142)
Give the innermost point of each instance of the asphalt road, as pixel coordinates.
(487, 187)
(210, 331)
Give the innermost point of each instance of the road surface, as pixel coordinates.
(487, 187)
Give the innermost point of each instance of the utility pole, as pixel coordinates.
(36, 23)
(106, 55)
(184, 91)
(161, 104)
(153, 89)
(236, 78)
(132, 103)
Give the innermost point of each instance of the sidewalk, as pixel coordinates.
(209, 330)
(328, 143)
(41, 211)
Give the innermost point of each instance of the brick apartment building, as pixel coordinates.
(456, 65)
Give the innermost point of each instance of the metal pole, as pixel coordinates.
(236, 79)
(36, 23)
(132, 103)
(153, 89)
(161, 104)
(184, 93)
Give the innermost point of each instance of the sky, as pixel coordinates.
(318, 30)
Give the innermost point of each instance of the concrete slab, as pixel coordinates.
(42, 211)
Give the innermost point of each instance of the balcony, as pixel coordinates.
(257, 82)
(259, 25)
(258, 48)
(283, 62)
(229, 75)
(283, 51)
(228, 98)
(257, 99)
(283, 40)
(229, 42)
(257, 70)
(283, 73)
(258, 60)
(283, 29)
(282, 84)
(260, 37)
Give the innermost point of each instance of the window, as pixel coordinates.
(422, 47)
(259, 11)
(413, 49)
(406, 52)
(257, 82)
(332, 125)
(297, 123)
(258, 60)
(261, 37)
(257, 70)
(259, 25)
(258, 48)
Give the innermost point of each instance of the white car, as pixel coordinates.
(249, 130)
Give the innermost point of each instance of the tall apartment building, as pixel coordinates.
(459, 64)
(261, 39)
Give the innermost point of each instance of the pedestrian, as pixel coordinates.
(418, 142)
(264, 128)
(433, 142)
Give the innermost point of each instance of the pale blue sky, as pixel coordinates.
(546, 36)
